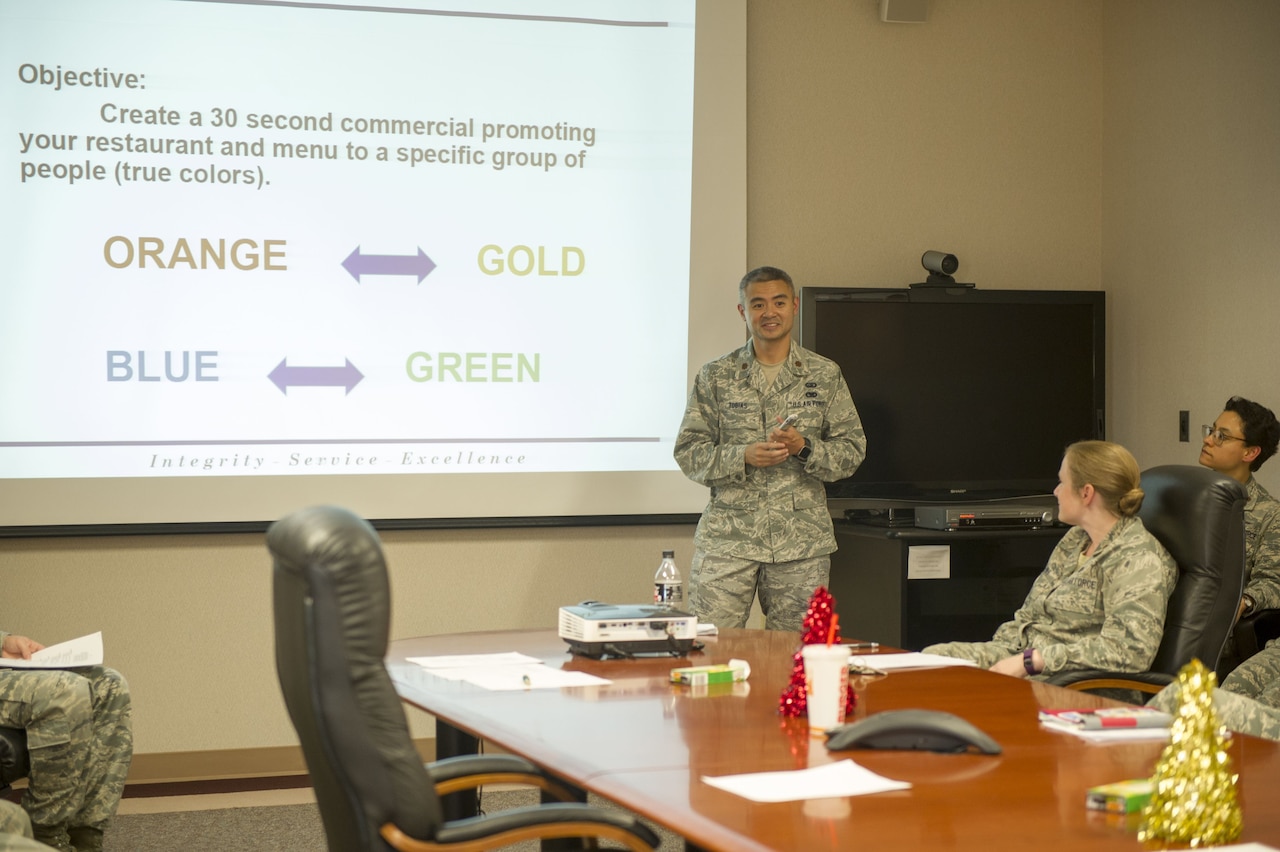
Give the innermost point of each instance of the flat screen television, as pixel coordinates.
(965, 394)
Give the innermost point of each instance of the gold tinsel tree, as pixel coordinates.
(1194, 801)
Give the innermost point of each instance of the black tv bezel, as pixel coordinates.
(897, 493)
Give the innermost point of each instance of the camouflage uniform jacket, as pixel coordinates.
(1261, 547)
(1106, 612)
(770, 514)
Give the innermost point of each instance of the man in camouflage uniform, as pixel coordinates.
(80, 738)
(1243, 437)
(767, 527)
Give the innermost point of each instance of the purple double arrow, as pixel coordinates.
(285, 377)
(388, 264)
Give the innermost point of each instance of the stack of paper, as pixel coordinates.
(1110, 724)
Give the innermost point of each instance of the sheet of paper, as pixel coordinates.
(911, 660)
(456, 661)
(707, 629)
(85, 651)
(528, 677)
(844, 778)
(929, 562)
(509, 671)
(1110, 735)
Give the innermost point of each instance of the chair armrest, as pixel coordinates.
(1148, 683)
(468, 771)
(542, 821)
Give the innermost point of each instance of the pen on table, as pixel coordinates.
(863, 646)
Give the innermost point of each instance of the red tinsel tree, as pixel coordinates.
(814, 630)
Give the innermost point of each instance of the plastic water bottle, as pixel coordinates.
(668, 587)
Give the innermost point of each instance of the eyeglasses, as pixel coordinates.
(1218, 436)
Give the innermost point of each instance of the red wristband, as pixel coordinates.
(1028, 662)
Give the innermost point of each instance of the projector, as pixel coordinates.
(598, 630)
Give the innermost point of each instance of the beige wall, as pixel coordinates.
(188, 618)
(1048, 143)
(1191, 216)
(977, 133)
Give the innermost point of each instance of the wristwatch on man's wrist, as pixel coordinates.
(1028, 661)
(805, 451)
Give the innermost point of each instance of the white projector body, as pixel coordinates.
(595, 629)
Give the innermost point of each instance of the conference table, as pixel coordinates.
(646, 744)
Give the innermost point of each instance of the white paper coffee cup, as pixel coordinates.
(826, 682)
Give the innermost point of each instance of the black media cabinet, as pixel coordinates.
(991, 572)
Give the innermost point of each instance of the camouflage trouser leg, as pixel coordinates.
(111, 747)
(1256, 675)
(1236, 712)
(79, 736)
(721, 589)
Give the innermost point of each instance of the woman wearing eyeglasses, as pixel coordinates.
(1100, 601)
(1243, 437)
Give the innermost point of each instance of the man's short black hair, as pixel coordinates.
(1260, 427)
(764, 273)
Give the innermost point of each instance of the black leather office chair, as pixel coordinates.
(332, 619)
(1198, 515)
(15, 763)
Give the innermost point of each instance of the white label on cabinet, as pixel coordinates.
(929, 562)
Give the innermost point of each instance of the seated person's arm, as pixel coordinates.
(1008, 639)
(1004, 644)
(1262, 590)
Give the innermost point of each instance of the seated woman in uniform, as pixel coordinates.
(1100, 602)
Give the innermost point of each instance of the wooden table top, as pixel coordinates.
(646, 744)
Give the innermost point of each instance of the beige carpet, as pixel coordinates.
(274, 828)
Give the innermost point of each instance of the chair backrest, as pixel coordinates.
(332, 620)
(1198, 515)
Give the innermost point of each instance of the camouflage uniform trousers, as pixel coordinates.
(1258, 677)
(1237, 712)
(80, 739)
(722, 588)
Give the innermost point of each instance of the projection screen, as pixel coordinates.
(429, 261)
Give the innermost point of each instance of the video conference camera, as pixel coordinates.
(941, 267)
(940, 261)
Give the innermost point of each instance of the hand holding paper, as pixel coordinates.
(85, 651)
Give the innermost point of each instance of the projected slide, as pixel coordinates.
(265, 238)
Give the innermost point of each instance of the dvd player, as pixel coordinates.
(1010, 516)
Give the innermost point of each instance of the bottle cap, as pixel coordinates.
(668, 554)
